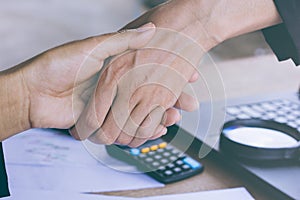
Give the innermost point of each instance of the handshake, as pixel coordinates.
(121, 88)
(125, 87)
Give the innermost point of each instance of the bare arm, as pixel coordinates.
(212, 22)
(52, 89)
(14, 104)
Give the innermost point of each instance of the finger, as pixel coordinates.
(96, 110)
(171, 117)
(108, 133)
(116, 43)
(148, 127)
(187, 102)
(194, 77)
(113, 122)
(160, 131)
(137, 116)
(111, 44)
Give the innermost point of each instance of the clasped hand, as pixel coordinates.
(129, 101)
(136, 92)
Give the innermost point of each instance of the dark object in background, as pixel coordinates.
(153, 3)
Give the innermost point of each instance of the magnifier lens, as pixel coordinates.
(260, 137)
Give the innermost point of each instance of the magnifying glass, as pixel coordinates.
(255, 139)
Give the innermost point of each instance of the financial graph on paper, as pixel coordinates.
(48, 160)
(44, 147)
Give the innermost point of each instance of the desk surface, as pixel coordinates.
(264, 75)
(216, 175)
(24, 34)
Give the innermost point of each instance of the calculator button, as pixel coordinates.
(185, 167)
(164, 161)
(173, 158)
(149, 160)
(162, 145)
(157, 157)
(166, 154)
(177, 170)
(151, 153)
(191, 162)
(162, 168)
(142, 156)
(154, 147)
(175, 151)
(179, 162)
(155, 164)
(171, 165)
(135, 152)
(160, 150)
(168, 173)
(145, 150)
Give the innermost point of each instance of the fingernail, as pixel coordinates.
(164, 131)
(178, 117)
(146, 27)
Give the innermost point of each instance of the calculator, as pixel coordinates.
(158, 159)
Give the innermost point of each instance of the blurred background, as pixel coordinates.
(32, 26)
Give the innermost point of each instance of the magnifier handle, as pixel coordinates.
(298, 153)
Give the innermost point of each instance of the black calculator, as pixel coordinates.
(158, 159)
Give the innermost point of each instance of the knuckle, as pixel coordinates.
(136, 144)
(123, 141)
(143, 133)
(101, 138)
(106, 140)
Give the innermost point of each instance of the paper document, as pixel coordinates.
(51, 195)
(226, 194)
(48, 160)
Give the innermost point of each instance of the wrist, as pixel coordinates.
(190, 18)
(225, 19)
(14, 104)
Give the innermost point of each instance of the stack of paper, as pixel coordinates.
(49, 160)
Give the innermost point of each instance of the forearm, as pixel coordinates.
(210, 22)
(230, 18)
(14, 105)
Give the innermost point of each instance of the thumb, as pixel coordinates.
(112, 44)
(115, 43)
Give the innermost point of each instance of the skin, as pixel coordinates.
(137, 112)
(52, 89)
(39, 92)
(112, 104)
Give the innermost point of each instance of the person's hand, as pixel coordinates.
(202, 25)
(120, 88)
(58, 84)
(146, 83)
